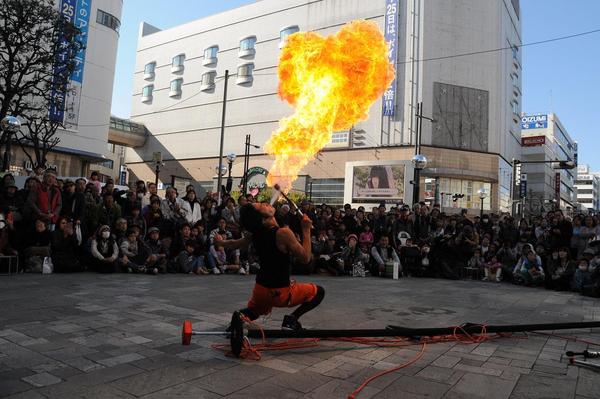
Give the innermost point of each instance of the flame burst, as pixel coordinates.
(331, 82)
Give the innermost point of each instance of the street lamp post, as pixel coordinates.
(220, 170)
(231, 159)
(419, 162)
(9, 125)
(483, 194)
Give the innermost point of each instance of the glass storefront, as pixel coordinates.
(449, 188)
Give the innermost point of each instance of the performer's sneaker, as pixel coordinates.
(290, 322)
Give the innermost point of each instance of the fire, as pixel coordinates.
(331, 82)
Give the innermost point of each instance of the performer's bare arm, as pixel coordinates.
(287, 241)
(241, 243)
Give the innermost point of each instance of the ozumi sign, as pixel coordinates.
(391, 37)
(534, 122)
(533, 141)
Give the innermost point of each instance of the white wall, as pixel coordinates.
(100, 59)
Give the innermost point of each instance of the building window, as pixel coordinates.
(210, 55)
(208, 81)
(176, 87)
(340, 138)
(147, 93)
(247, 46)
(244, 74)
(149, 70)
(285, 32)
(177, 64)
(328, 191)
(108, 20)
(515, 107)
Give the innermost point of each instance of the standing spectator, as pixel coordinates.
(152, 191)
(105, 251)
(64, 248)
(45, 202)
(172, 211)
(191, 207)
(154, 216)
(109, 211)
(73, 203)
(95, 180)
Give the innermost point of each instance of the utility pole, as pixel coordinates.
(246, 162)
(219, 177)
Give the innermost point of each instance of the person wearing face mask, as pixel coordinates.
(104, 251)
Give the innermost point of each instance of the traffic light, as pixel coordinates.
(564, 165)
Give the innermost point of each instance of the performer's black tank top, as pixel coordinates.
(274, 269)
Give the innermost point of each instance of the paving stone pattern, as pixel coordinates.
(118, 336)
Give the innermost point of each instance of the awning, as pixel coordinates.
(86, 155)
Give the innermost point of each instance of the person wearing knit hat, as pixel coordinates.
(104, 251)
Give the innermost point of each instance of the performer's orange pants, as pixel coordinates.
(264, 299)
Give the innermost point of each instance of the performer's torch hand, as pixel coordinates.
(306, 223)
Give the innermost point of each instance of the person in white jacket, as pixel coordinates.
(193, 209)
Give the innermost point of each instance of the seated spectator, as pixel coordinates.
(158, 254)
(410, 258)
(507, 255)
(531, 272)
(134, 257)
(136, 219)
(153, 214)
(352, 255)
(188, 262)
(37, 247)
(105, 251)
(582, 276)
(178, 242)
(476, 261)
(366, 237)
(233, 256)
(64, 248)
(382, 254)
(492, 268)
(120, 230)
(560, 270)
(224, 261)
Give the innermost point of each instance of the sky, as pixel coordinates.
(561, 77)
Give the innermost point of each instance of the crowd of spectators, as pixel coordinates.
(86, 225)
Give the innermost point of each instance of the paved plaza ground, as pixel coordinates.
(118, 336)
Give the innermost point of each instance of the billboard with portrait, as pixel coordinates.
(374, 183)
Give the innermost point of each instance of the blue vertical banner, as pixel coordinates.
(391, 36)
(65, 105)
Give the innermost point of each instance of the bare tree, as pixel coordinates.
(38, 50)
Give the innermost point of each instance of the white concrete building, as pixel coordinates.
(544, 138)
(588, 188)
(475, 100)
(85, 140)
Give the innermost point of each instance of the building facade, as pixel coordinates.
(474, 100)
(588, 188)
(84, 141)
(545, 139)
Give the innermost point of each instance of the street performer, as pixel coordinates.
(275, 246)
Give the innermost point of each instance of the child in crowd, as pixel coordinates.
(492, 269)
